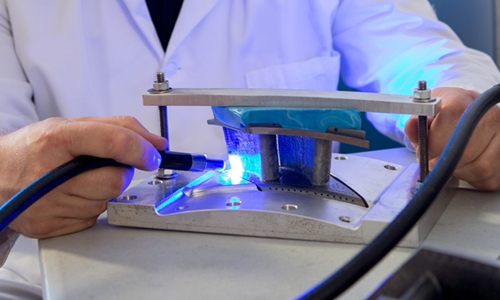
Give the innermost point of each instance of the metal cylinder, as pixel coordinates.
(322, 162)
(269, 157)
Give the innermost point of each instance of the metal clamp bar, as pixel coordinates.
(368, 102)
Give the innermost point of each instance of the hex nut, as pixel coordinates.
(421, 94)
(160, 86)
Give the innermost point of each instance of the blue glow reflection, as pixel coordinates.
(180, 192)
(236, 203)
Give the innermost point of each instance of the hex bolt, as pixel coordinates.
(160, 77)
(422, 85)
(424, 148)
(422, 94)
(162, 110)
(161, 86)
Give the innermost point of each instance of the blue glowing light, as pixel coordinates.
(402, 119)
(180, 192)
(239, 165)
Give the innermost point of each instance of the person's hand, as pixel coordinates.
(30, 152)
(480, 163)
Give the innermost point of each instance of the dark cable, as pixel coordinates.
(342, 279)
(36, 190)
(337, 283)
(27, 196)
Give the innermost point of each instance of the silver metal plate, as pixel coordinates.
(368, 102)
(214, 204)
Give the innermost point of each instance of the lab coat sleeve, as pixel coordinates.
(16, 106)
(389, 45)
(7, 239)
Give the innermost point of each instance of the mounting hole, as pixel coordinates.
(390, 167)
(182, 207)
(289, 207)
(128, 198)
(340, 157)
(234, 203)
(155, 182)
(345, 219)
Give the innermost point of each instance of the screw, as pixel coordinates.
(290, 207)
(424, 147)
(161, 86)
(160, 77)
(422, 85)
(423, 94)
(345, 219)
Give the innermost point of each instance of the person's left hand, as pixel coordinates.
(480, 163)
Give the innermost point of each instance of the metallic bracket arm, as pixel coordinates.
(367, 102)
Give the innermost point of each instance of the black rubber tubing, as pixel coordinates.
(342, 279)
(37, 189)
(367, 258)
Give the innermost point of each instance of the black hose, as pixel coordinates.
(337, 283)
(341, 280)
(27, 196)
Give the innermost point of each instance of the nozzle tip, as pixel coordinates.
(216, 164)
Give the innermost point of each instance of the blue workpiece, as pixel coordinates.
(295, 118)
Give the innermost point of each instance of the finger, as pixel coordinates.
(110, 141)
(59, 205)
(411, 128)
(481, 138)
(484, 171)
(59, 226)
(133, 124)
(70, 225)
(101, 183)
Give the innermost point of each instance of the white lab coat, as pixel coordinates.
(97, 57)
(94, 57)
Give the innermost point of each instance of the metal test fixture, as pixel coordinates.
(284, 182)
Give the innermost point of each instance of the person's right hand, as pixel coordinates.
(480, 162)
(32, 151)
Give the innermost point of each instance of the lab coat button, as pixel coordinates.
(171, 69)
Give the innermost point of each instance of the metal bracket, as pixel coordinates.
(369, 102)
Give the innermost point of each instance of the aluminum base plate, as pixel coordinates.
(216, 202)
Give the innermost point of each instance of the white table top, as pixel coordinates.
(108, 262)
